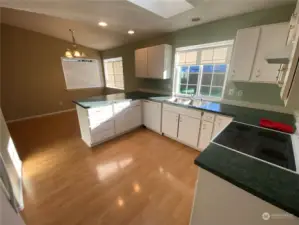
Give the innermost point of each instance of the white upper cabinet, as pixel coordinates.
(252, 46)
(141, 62)
(272, 39)
(153, 62)
(244, 53)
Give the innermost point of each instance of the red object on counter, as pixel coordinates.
(276, 126)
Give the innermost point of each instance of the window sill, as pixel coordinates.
(204, 98)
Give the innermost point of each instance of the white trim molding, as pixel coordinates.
(41, 115)
(208, 45)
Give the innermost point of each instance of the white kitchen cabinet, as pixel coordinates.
(127, 116)
(205, 134)
(153, 62)
(170, 121)
(188, 130)
(133, 117)
(220, 123)
(141, 63)
(152, 115)
(272, 38)
(244, 53)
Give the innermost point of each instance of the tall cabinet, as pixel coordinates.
(153, 62)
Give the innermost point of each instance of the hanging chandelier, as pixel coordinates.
(73, 52)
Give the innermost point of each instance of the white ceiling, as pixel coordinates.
(55, 17)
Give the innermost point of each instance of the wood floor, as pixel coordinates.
(140, 178)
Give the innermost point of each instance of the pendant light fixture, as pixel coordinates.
(73, 52)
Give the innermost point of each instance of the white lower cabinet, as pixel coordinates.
(205, 134)
(152, 115)
(189, 130)
(220, 123)
(170, 121)
(133, 117)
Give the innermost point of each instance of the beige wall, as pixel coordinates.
(32, 81)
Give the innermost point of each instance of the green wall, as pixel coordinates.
(211, 32)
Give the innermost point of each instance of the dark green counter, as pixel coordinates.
(272, 184)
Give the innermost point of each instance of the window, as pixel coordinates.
(114, 73)
(82, 73)
(201, 70)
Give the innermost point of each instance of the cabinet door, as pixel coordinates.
(155, 61)
(272, 39)
(189, 130)
(133, 117)
(205, 134)
(152, 115)
(120, 122)
(220, 123)
(141, 62)
(170, 123)
(244, 53)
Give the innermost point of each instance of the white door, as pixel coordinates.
(152, 115)
(170, 123)
(141, 62)
(133, 117)
(189, 130)
(272, 39)
(244, 53)
(205, 135)
(155, 61)
(220, 123)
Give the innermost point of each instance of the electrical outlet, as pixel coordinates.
(231, 91)
(240, 93)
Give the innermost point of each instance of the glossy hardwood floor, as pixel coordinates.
(140, 178)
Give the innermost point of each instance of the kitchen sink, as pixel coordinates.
(187, 101)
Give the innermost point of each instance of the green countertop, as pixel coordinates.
(272, 184)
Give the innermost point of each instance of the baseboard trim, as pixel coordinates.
(38, 116)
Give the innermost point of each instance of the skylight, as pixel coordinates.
(164, 8)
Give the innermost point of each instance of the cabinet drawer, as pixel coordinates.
(104, 112)
(101, 136)
(210, 117)
(191, 112)
(171, 108)
(101, 126)
(223, 119)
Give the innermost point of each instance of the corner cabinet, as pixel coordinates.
(252, 46)
(153, 62)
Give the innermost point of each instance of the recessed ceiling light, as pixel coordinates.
(102, 24)
(131, 32)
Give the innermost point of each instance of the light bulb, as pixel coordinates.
(102, 24)
(77, 53)
(131, 32)
(68, 54)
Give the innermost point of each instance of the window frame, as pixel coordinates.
(115, 59)
(199, 48)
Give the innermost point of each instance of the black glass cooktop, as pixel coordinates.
(270, 146)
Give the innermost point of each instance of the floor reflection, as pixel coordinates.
(112, 167)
